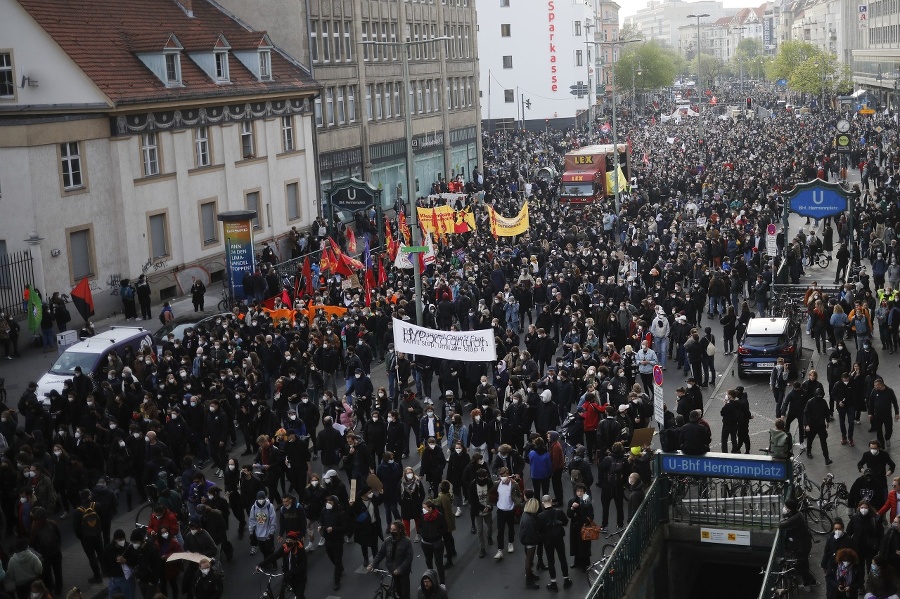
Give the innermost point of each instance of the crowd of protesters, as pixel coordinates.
(582, 307)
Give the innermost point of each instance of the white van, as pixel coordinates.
(91, 354)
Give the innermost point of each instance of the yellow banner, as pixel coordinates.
(508, 227)
(444, 219)
(611, 181)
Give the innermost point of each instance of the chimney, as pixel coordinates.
(187, 6)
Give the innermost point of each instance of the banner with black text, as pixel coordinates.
(467, 346)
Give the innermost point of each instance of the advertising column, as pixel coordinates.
(239, 255)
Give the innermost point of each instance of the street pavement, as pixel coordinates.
(471, 576)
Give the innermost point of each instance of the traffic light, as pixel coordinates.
(749, 103)
(528, 104)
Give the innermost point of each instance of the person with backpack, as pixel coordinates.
(89, 530)
(166, 315)
(294, 563)
(780, 442)
(611, 476)
(580, 469)
(127, 293)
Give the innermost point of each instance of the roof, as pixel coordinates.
(103, 37)
(100, 342)
(764, 326)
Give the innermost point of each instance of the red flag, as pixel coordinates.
(351, 241)
(342, 266)
(307, 277)
(370, 283)
(335, 248)
(285, 297)
(389, 241)
(83, 299)
(382, 275)
(404, 228)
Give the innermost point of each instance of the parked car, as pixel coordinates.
(766, 340)
(181, 323)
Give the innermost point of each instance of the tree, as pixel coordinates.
(650, 65)
(819, 75)
(791, 54)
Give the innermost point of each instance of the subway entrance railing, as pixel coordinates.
(725, 495)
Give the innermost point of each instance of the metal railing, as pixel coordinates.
(628, 555)
(16, 271)
(725, 502)
(767, 590)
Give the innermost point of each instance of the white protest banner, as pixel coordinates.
(467, 346)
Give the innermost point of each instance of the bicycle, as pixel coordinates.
(820, 259)
(227, 301)
(817, 520)
(802, 481)
(785, 586)
(386, 588)
(833, 494)
(286, 592)
(593, 571)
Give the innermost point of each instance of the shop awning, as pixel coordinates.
(858, 93)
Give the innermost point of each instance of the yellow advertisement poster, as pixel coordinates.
(611, 181)
(508, 227)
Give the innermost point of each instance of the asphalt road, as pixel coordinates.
(470, 576)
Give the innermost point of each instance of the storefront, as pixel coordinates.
(429, 159)
(389, 170)
(337, 166)
(463, 152)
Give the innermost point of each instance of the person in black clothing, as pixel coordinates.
(798, 540)
(294, 564)
(695, 437)
(149, 572)
(143, 295)
(89, 530)
(207, 583)
(792, 409)
(198, 290)
(580, 512)
(434, 526)
(332, 526)
(611, 478)
(552, 521)
(731, 420)
(398, 551)
(881, 401)
(116, 555)
(46, 539)
(815, 417)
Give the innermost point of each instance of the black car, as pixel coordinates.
(181, 323)
(766, 340)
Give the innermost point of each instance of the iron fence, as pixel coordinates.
(725, 501)
(628, 554)
(16, 271)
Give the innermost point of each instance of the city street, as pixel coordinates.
(471, 575)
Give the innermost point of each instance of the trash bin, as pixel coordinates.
(64, 340)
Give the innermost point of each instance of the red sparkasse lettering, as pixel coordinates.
(551, 5)
(554, 88)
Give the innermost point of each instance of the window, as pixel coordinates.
(451, 46)
(252, 203)
(173, 68)
(201, 147)
(292, 198)
(348, 56)
(417, 47)
(317, 106)
(71, 165)
(159, 242)
(208, 223)
(150, 154)
(436, 96)
(425, 47)
(434, 46)
(504, 3)
(379, 114)
(287, 133)
(81, 257)
(329, 106)
(222, 66)
(336, 39)
(384, 38)
(326, 43)
(365, 38)
(505, 30)
(419, 105)
(369, 89)
(397, 99)
(428, 96)
(577, 28)
(248, 148)
(388, 92)
(507, 62)
(394, 39)
(468, 29)
(265, 65)
(341, 115)
(351, 104)
(7, 80)
(579, 58)
(314, 40)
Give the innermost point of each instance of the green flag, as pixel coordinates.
(35, 310)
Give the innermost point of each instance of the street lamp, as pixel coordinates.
(410, 160)
(740, 31)
(633, 92)
(699, 94)
(615, 129)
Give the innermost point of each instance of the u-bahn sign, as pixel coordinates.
(818, 199)
(352, 195)
(719, 465)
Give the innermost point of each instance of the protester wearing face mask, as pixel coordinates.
(412, 494)
(207, 582)
(834, 543)
(890, 544)
(294, 560)
(117, 555)
(332, 527)
(865, 532)
(397, 554)
(150, 566)
(261, 525)
(798, 540)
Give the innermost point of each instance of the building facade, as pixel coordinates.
(531, 61)
(360, 115)
(126, 127)
(662, 20)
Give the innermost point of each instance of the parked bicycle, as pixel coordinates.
(593, 571)
(785, 584)
(834, 495)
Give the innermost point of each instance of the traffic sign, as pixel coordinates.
(414, 249)
(659, 408)
(579, 89)
(771, 229)
(818, 199)
(842, 143)
(866, 111)
(657, 375)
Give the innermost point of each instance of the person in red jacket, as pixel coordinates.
(591, 413)
(162, 518)
(892, 500)
(558, 465)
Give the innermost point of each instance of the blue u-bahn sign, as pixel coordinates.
(818, 199)
(718, 465)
